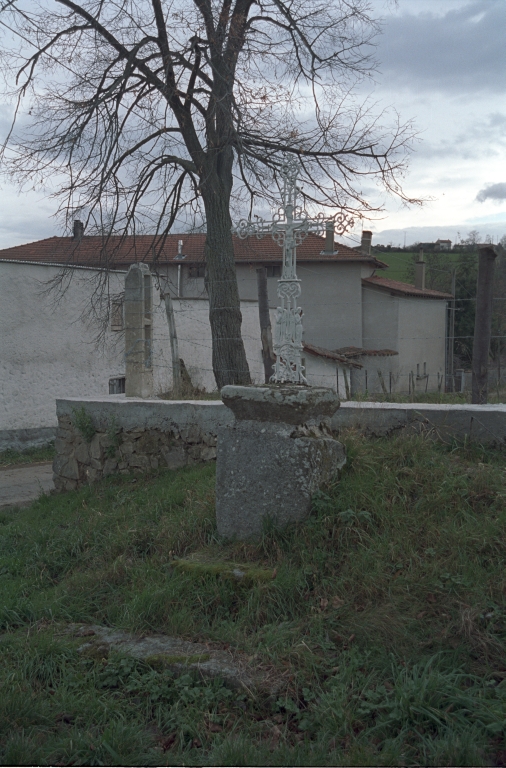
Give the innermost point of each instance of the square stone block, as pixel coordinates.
(269, 470)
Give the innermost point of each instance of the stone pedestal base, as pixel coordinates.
(271, 469)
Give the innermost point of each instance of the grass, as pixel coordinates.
(386, 619)
(28, 456)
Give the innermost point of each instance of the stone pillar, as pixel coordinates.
(138, 332)
(274, 457)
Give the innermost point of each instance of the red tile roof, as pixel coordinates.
(403, 289)
(359, 352)
(120, 252)
(322, 352)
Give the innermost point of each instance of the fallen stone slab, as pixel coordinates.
(180, 656)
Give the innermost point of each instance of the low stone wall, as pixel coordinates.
(480, 423)
(133, 435)
(96, 438)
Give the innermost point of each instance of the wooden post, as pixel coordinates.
(483, 321)
(380, 377)
(174, 349)
(265, 323)
(346, 384)
(451, 335)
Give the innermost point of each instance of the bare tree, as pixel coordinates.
(148, 110)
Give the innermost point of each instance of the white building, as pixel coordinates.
(363, 332)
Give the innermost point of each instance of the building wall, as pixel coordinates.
(47, 350)
(415, 328)
(323, 372)
(380, 312)
(331, 297)
(422, 338)
(195, 343)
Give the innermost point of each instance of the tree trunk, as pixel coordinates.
(483, 324)
(174, 349)
(230, 365)
(268, 355)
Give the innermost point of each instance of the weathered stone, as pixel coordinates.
(69, 485)
(126, 449)
(64, 434)
(147, 443)
(208, 453)
(138, 462)
(110, 465)
(82, 453)
(175, 457)
(95, 464)
(263, 472)
(209, 439)
(92, 475)
(280, 403)
(153, 462)
(195, 452)
(58, 482)
(62, 447)
(95, 450)
(122, 465)
(191, 434)
(66, 467)
(180, 656)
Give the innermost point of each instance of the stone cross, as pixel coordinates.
(289, 227)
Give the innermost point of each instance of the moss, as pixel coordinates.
(241, 572)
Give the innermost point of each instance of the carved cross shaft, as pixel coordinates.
(288, 228)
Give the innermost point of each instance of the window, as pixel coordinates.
(117, 386)
(199, 270)
(273, 270)
(117, 314)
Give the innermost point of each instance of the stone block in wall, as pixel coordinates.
(93, 475)
(147, 443)
(191, 434)
(138, 462)
(66, 467)
(82, 453)
(175, 457)
(95, 451)
(63, 447)
(208, 453)
(110, 466)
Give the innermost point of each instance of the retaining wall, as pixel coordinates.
(134, 435)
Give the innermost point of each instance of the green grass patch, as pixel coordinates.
(385, 619)
(29, 456)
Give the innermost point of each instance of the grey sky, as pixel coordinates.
(441, 62)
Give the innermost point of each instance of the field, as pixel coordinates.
(385, 622)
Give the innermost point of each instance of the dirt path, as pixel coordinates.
(22, 484)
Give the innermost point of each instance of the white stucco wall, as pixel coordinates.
(47, 350)
(422, 332)
(414, 327)
(195, 344)
(331, 300)
(380, 312)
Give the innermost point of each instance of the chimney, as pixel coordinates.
(329, 237)
(420, 272)
(78, 230)
(365, 245)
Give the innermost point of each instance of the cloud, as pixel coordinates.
(459, 51)
(492, 192)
